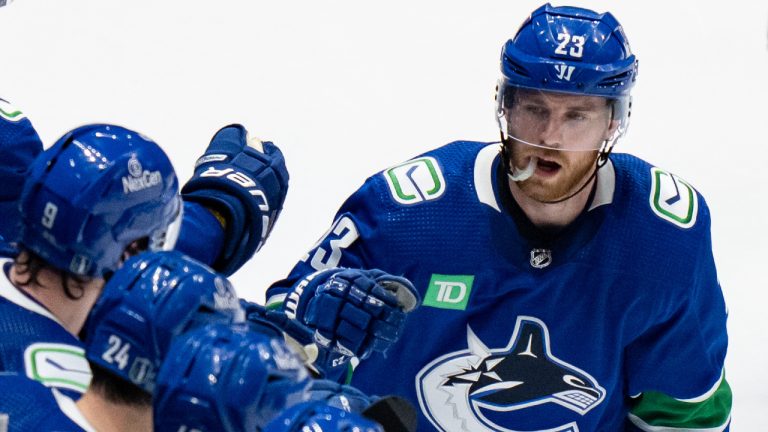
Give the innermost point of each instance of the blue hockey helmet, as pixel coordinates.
(227, 378)
(317, 416)
(150, 300)
(559, 53)
(95, 191)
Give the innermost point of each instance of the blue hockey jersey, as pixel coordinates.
(19, 145)
(615, 322)
(35, 344)
(26, 405)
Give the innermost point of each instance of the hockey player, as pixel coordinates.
(99, 195)
(565, 288)
(148, 302)
(230, 204)
(89, 201)
(223, 378)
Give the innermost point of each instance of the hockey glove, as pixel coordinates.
(349, 313)
(244, 181)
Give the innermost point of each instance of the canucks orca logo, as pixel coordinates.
(457, 388)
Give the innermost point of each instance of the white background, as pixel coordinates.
(347, 88)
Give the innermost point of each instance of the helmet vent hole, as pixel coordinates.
(516, 67)
(616, 80)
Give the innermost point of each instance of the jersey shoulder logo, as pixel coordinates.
(58, 365)
(9, 112)
(673, 199)
(415, 181)
(475, 385)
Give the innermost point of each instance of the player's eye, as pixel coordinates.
(577, 115)
(536, 110)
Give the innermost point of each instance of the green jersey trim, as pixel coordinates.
(655, 411)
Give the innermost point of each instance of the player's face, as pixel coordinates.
(563, 132)
(559, 121)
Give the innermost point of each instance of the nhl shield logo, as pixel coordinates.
(541, 258)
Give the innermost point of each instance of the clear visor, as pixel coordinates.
(560, 121)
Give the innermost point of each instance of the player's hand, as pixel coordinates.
(243, 181)
(351, 312)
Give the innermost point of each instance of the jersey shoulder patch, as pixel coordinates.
(415, 181)
(9, 112)
(673, 199)
(57, 365)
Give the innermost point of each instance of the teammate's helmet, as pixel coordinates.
(95, 191)
(318, 417)
(227, 378)
(571, 51)
(154, 297)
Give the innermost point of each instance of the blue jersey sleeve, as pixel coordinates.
(201, 235)
(19, 145)
(675, 369)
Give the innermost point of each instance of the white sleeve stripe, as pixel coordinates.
(709, 392)
(637, 421)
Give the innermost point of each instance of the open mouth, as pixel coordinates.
(547, 167)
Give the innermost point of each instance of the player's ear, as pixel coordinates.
(612, 126)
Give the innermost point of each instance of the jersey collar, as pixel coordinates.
(19, 298)
(70, 409)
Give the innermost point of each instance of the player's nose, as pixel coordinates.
(551, 133)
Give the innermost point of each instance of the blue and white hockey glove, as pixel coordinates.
(347, 313)
(244, 182)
